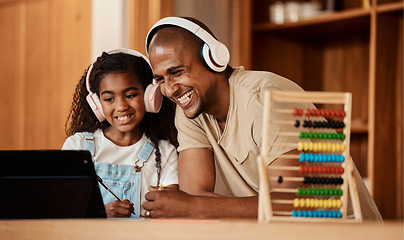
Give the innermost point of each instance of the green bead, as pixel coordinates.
(339, 192)
(317, 192)
(310, 135)
(342, 136)
(320, 135)
(334, 136)
(326, 191)
(321, 192)
(301, 135)
(312, 192)
(305, 134)
(329, 136)
(315, 135)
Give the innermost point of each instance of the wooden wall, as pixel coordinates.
(45, 48)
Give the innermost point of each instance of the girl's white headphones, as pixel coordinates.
(152, 95)
(214, 53)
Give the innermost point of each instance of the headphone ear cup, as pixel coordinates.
(95, 105)
(153, 98)
(208, 59)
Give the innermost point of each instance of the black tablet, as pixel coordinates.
(38, 184)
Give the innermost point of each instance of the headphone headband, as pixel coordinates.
(214, 53)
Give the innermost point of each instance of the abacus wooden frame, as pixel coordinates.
(265, 213)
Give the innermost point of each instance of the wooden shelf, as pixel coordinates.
(390, 7)
(348, 20)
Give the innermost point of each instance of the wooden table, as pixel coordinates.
(115, 229)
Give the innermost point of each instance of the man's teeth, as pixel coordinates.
(185, 98)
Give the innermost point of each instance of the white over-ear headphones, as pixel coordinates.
(152, 95)
(214, 53)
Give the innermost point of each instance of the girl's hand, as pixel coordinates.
(119, 209)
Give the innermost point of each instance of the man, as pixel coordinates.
(219, 119)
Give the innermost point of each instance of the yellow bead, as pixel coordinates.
(333, 147)
(315, 147)
(300, 146)
(334, 203)
(302, 202)
(320, 146)
(321, 203)
(328, 146)
(342, 146)
(311, 146)
(316, 203)
(306, 146)
(337, 147)
(339, 203)
(312, 202)
(296, 203)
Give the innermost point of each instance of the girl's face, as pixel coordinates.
(121, 96)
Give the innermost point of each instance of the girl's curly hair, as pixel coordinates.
(156, 126)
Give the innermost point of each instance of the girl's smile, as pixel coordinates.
(122, 101)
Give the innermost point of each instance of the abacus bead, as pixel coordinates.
(315, 135)
(300, 112)
(304, 214)
(332, 112)
(280, 179)
(296, 202)
(300, 146)
(339, 214)
(326, 113)
(306, 180)
(337, 113)
(305, 123)
(339, 203)
(299, 213)
(343, 113)
(306, 146)
(319, 213)
(332, 124)
(320, 135)
(333, 148)
(301, 158)
(297, 123)
(342, 124)
(313, 112)
(314, 214)
(294, 214)
(312, 191)
(316, 203)
(295, 112)
(310, 135)
(307, 112)
(305, 135)
(302, 202)
(342, 137)
(342, 147)
(309, 214)
(322, 112)
(339, 192)
(325, 191)
(309, 124)
(301, 135)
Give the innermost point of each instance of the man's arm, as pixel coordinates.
(196, 173)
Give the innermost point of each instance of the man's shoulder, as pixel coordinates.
(254, 81)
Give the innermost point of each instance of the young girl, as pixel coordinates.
(131, 148)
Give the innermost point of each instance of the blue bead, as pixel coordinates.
(294, 214)
(339, 214)
(304, 214)
(342, 158)
(299, 213)
(319, 213)
(333, 214)
(333, 157)
(309, 214)
(301, 159)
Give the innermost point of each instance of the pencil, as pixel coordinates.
(99, 179)
(161, 187)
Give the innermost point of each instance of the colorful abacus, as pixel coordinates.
(322, 136)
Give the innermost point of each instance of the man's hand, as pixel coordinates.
(168, 203)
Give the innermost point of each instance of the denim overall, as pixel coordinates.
(123, 179)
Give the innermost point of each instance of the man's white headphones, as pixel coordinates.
(214, 53)
(152, 95)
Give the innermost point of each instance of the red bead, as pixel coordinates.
(343, 114)
(341, 170)
(322, 112)
(313, 112)
(295, 112)
(332, 112)
(307, 112)
(300, 112)
(337, 113)
(332, 169)
(317, 112)
(301, 169)
(326, 113)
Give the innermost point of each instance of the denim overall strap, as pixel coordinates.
(144, 154)
(89, 142)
